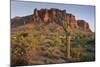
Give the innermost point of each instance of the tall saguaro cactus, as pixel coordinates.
(67, 29)
(66, 24)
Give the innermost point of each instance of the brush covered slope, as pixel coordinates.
(40, 38)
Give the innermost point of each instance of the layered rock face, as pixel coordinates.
(50, 16)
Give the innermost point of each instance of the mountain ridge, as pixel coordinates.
(48, 15)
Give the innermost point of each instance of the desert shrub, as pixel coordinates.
(87, 57)
(58, 41)
(74, 52)
(18, 54)
(48, 42)
(23, 47)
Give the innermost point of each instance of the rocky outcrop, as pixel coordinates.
(83, 25)
(50, 16)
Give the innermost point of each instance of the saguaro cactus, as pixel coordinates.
(67, 26)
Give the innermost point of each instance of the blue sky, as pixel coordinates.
(85, 12)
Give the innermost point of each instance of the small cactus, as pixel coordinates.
(78, 52)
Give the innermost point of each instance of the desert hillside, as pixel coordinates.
(41, 38)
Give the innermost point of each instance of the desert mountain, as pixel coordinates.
(52, 15)
(43, 38)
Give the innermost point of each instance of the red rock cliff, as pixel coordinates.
(48, 15)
